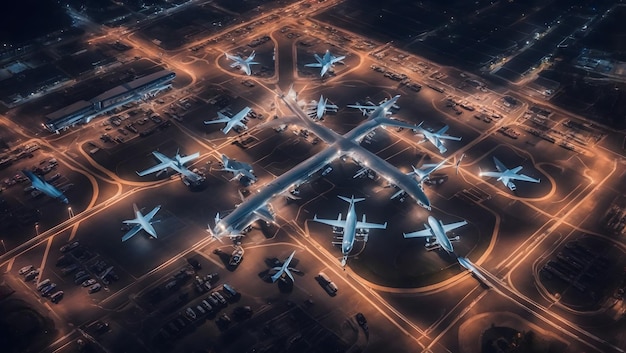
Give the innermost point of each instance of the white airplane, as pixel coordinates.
(382, 110)
(438, 230)
(283, 269)
(326, 62)
(350, 226)
(323, 107)
(141, 222)
(40, 184)
(436, 137)
(177, 163)
(244, 64)
(236, 120)
(239, 169)
(507, 175)
(422, 174)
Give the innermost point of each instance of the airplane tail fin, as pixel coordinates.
(351, 200)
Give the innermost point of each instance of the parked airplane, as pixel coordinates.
(322, 107)
(283, 269)
(325, 62)
(381, 110)
(436, 137)
(422, 174)
(507, 175)
(236, 120)
(244, 64)
(177, 163)
(141, 222)
(45, 187)
(239, 169)
(435, 228)
(350, 226)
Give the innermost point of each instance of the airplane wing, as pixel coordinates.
(368, 225)
(156, 168)
(221, 119)
(453, 226)
(491, 174)
(337, 58)
(442, 130)
(324, 69)
(242, 114)
(331, 222)
(524, 177)
(366, 107)
(134, 230)
(185, 159)
(448, 137)
(501, 167)
(420, 233)
(313, 65)
(154, 211)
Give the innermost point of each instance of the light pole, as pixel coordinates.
(3, 246)
(70, 213)
(37, 228)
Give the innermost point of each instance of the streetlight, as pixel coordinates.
(37, 228)
(3, 246)
(70, 213)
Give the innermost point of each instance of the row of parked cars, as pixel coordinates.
(213, 303)
(45, 287)
(81, 276)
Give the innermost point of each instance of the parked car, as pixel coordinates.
(68, 247)
(96, 287)
(31, 275)
(48, 290)
(41, 285)
(56, 297)
(88, 282)
(24, 270)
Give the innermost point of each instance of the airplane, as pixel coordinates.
(435, 228)
(350, 226)
(507, 175)
(244, 64)
(326, 62)
(323, 106)
(381, 110)
(230, 122)
(45, 187)
(141, 222)
(422, 174)
(436, 137)
(283, 269)
(239, 169)
(177, 163)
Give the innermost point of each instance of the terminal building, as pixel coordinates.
(82, 111)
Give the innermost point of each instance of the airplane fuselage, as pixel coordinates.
(349, 232)
(145, 224)
(440, 234)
